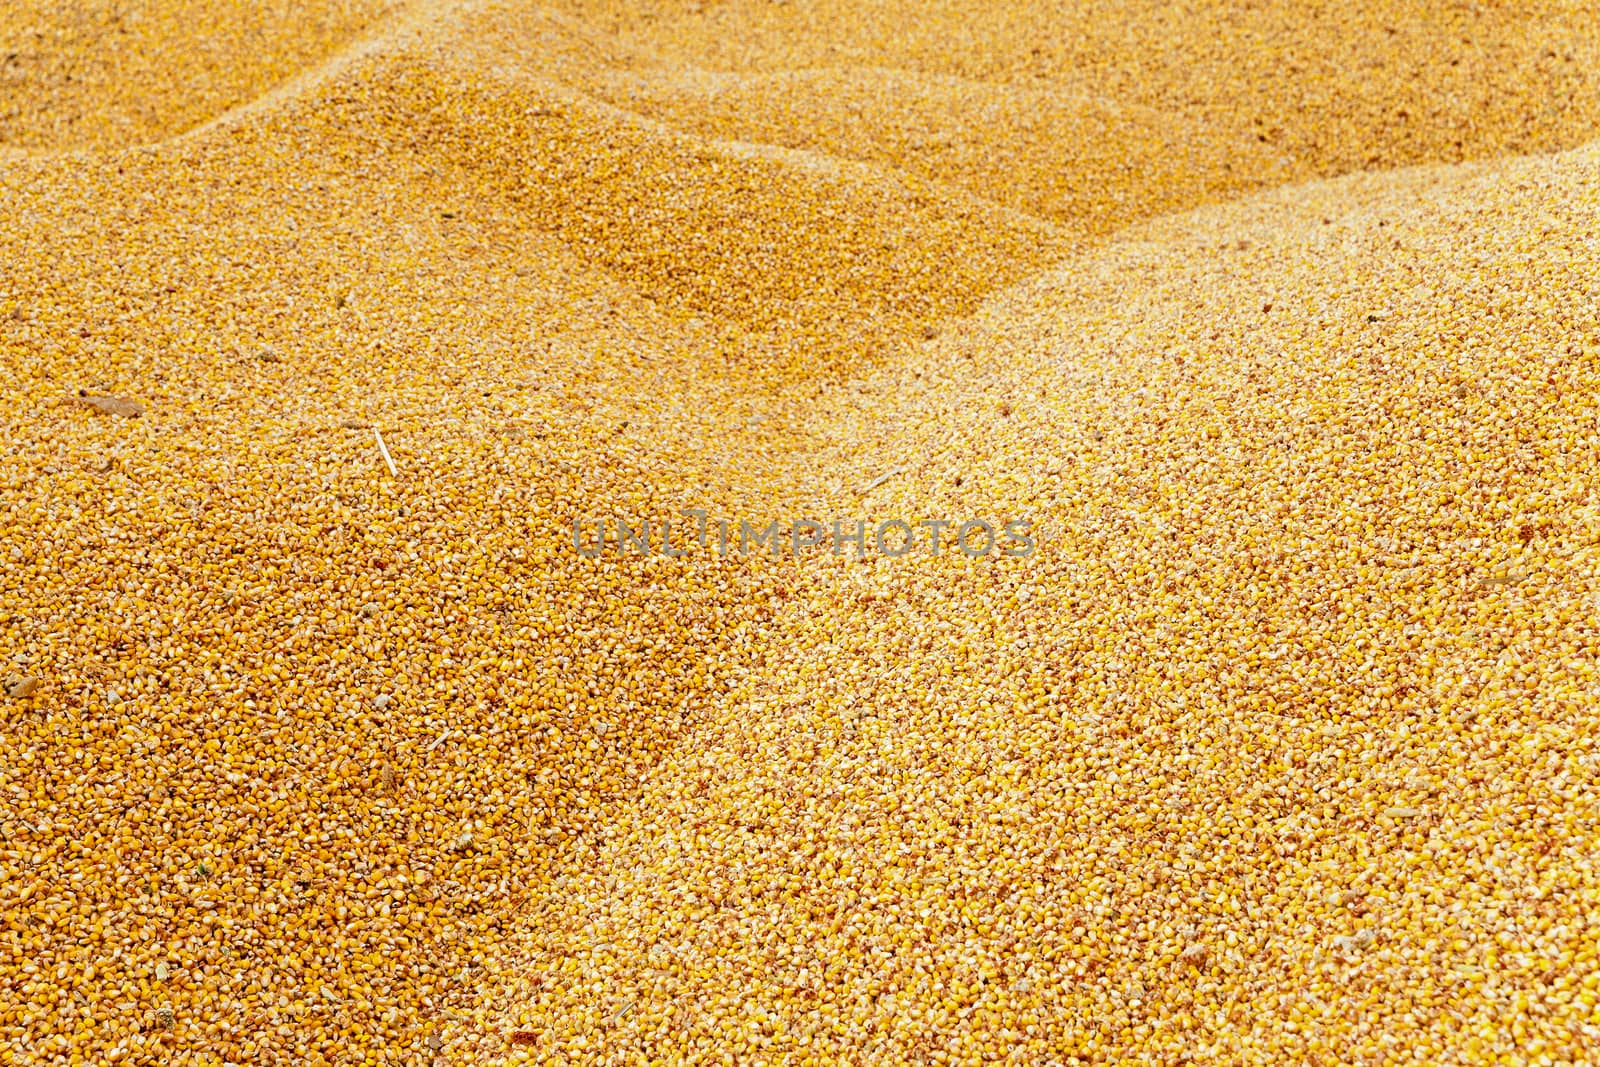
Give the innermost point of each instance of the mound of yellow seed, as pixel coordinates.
(321, 743)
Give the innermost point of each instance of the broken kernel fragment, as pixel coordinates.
(21, 687)
(1278, 749)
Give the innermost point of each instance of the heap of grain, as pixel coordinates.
(1276, 746)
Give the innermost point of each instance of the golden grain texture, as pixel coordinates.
(1279, 750)
(308, 763)
(95, 74)
(302, 736)
(1241, 94)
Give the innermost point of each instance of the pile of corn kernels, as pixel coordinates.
(322, 743)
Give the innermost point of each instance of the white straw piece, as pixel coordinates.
(385, 450)
(880, 479)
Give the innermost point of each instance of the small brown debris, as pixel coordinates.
(524, 1037)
